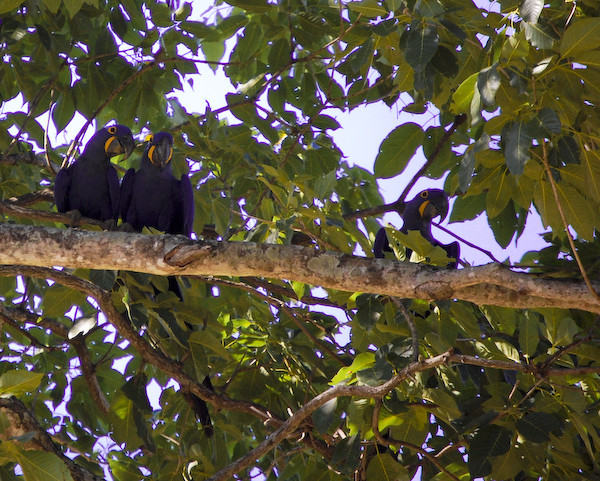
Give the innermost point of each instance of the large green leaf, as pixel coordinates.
(581, 36)
(397, 149)
(530, 10)
(488, 83)
(488, 442)
(16, 383)
(421, 45)
(537, 426)
(8, 5)
(529, 336)
(383, 466)
(517, 141)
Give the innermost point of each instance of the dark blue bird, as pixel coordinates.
(417, 215)
(89, 187)
(153, 197)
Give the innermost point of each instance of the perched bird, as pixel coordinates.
(89, 187)
(418, 214)
(153, 197)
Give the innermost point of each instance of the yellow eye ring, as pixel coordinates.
(424, 194)
(149, 138)
(112, 130)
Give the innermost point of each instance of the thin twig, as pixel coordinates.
(563, 217)
(399, 204)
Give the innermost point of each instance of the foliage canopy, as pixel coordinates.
(522, 403)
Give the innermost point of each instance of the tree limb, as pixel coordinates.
(23, 419)
(177, 255)
(78, 343)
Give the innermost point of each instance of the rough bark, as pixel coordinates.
(177, 255)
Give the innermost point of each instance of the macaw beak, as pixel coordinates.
(119, 145)
(160, 154)
(432, 208)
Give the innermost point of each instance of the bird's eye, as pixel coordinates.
(424, 194)
(149, 138)
(112, 130)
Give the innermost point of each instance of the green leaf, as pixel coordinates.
(505, 224)
(59, 299)
(368, 8)
(279, 54)
(206, 339)
(461, 99)
(369, 310)
(537, 426)
(530, 10)
(18, 382)
(421, 45)
(489, 441)
(250, 42)
(325, 184)
(122, 420)
(63, 110)
(73, 6)
(346, 455)
(498, 194)
(581, 36)
(488, 83)
(517, 141)
(591, 162)
(360, 362)
(397, 149)
(43, 466)
(323, 416)
(256, 6)
(539, 35)
(103, 278)
(8, 5)
(529, 336)
(384, 467)
(378, 374)
(575, 208)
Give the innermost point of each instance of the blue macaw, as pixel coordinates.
(152, 196)
(89, 187)
(417, 215)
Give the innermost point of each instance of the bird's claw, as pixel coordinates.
(75, 216)
(110, 224)
(126, 227)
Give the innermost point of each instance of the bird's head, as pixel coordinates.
(424, 207)
(159, 148)
(117, 140)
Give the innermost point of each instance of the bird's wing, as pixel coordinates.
(62, 185)
(187, 198)
(126, 193)
(113, 191)
(381, 244)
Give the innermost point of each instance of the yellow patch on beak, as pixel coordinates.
(422, 207)
(108, 142)
(151, 153)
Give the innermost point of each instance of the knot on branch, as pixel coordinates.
(183, 255)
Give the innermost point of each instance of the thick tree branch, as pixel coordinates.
(177, 255)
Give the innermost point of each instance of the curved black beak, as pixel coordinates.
(120, 145)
